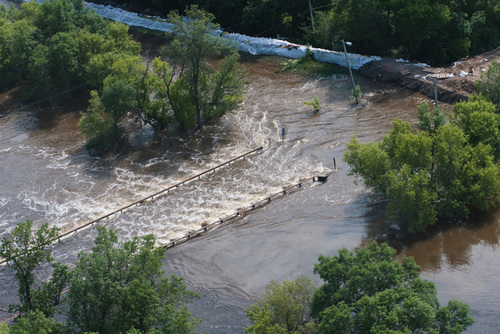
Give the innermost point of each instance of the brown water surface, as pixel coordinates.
(46, 176)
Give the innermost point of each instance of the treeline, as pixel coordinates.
(445, 169)
(114, 288)
(61, 45)
(433, 31)
(120, 288)
(49, 47)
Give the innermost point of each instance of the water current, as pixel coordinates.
(46, 176)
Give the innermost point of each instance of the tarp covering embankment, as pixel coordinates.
(252, 45)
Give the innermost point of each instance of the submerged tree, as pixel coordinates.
(443, 171)
(369, 291)
(201, 90)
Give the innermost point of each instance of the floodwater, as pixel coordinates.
(46, 176)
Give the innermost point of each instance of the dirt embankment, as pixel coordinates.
(453, 83)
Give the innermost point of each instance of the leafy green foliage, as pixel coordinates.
(120, 287)
(315, 104)
(426, 30)
(50, 45)
(427, 122)
(283, 308)
(188, 92)
(210, 92)
(356, 94)
(489, 85)
(369, 291)
(34, 323)
(440, 172)
(25, 250)
(308, 66)
(116, 288)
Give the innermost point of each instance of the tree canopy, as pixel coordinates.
(115, 288)
(25, 250)
(120, 287)
(187, 92)
(49, 46)
(440, 172)
(370, 291)
(431, 31)
(61, 45)
(283, 308)
(489, 85)
(200, 90)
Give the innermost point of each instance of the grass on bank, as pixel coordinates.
(308, 66)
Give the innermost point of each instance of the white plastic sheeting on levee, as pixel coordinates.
(252, 45)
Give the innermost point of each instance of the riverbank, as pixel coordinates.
(453, 83)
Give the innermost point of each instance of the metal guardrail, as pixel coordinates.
(207, 227)
(239, 212)
(150, 197)
(166, 190)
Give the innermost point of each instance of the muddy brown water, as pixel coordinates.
(46, 176)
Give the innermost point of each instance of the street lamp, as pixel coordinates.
(350, 71)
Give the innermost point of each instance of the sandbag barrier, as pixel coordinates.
(252, 45)
(150, 197)
(239, 213)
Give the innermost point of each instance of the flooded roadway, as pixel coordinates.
(47, 177)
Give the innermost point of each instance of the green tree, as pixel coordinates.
(427, 122)
(117, 99)
(49, 46)
(315, 104)
(64, 68)
(34, 323)
(369, 291)
(440, 172)
(120, 287)
(283, 308)
(25, 250)
(209, 92)
(489, 85)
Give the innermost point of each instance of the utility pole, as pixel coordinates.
(435, 93)
(434, 81)
(312, 18)
(350, 71)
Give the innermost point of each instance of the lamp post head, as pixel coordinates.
(348, 43)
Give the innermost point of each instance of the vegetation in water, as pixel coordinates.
(115, 288)
(283, 308)
(188, 91)
(439, 173)
(315, 104)
(201, 90)
(60, 45)
(308, 66)
(366, 291)
(356, 95)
